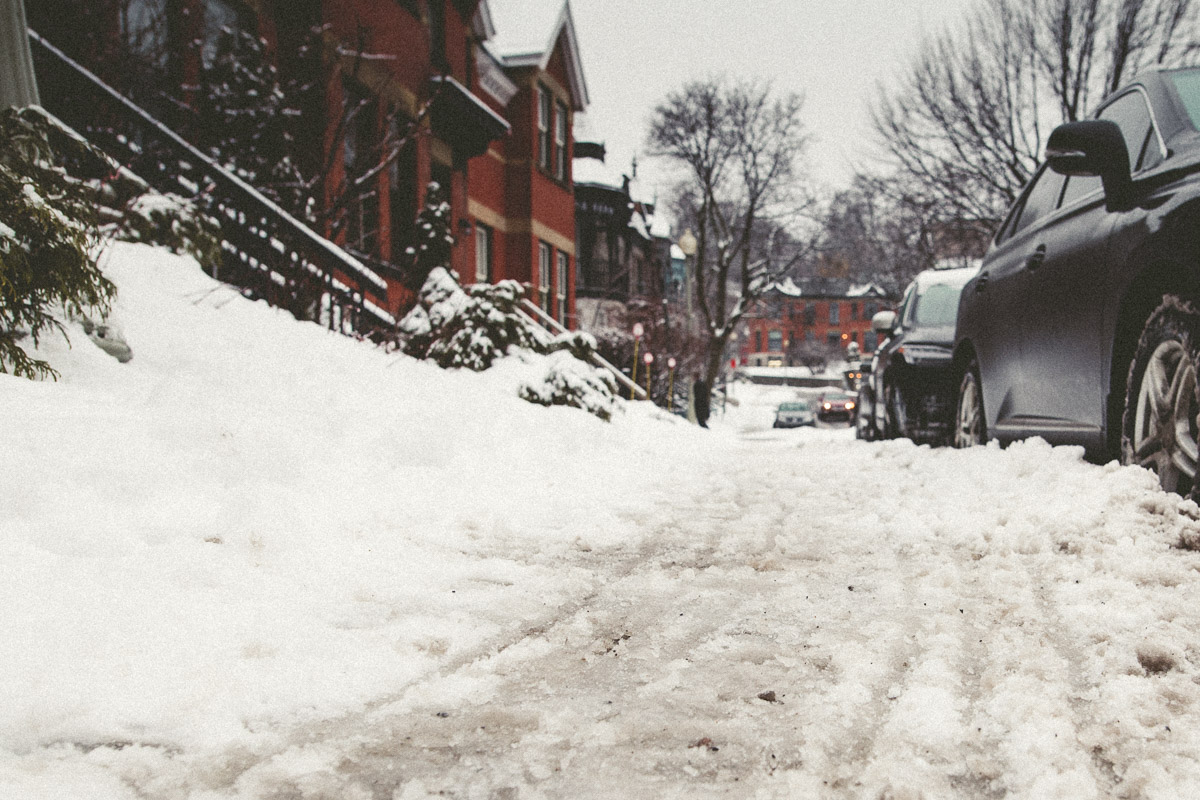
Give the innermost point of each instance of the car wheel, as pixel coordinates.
(1160, 425)
(970, 425)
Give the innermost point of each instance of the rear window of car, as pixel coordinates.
(793, 406)
(937, 306)
(1187, 86)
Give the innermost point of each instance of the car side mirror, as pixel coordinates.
(1092, 147)
(884, 322)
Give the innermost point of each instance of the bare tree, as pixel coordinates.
(966, 125)
(740, 147)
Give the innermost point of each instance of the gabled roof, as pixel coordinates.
(525, 33)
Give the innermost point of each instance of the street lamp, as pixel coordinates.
(671, 386)
(649, 359)
(638, 330)
(688, 244)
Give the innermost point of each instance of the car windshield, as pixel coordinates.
(937, 306)
(1187, 85)
(797, 406)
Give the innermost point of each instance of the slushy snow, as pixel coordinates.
(263, 560)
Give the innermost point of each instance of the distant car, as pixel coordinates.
(836, 406)
(794, 414)
(912, 387)
(1083, 324)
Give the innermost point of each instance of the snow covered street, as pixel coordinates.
(263, 561)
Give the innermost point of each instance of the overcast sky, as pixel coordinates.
(832, 51)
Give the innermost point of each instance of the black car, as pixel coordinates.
(911, 388)
(1083, 324)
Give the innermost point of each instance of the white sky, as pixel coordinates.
(834, 52)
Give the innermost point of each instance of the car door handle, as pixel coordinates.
(981, 282)
(1035, 260)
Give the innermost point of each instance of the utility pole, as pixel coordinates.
(17, 84)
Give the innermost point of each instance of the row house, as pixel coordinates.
(818, 313)
(482, 93)
(624, 249)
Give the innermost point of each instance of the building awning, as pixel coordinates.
(462, 120)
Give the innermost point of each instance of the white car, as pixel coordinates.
(794, 414)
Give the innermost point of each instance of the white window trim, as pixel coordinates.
(560, 141)
(483, 254)
(544, 257)
(545, 104)
(563, 266)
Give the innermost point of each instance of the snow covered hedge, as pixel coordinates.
(475, 326)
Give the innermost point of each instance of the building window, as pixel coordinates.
(560, 142)
(854, 311)
(144, 28)
(835, 313)
(359, 143)
(562, 287)
(544, 256)
(774, 341)
(758, 341)
(437, 35)
(833, 338)
(870, 340)
(810, 337)
(810, 314)
(869, 310)
(483, 253)
(544, 111)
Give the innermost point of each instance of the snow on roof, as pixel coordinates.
(589, 170)
(660, 228)
(526, 32)
(677, 253)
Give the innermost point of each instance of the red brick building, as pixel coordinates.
(813, 314)
(492, 87)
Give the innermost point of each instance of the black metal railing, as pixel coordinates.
(266, 252)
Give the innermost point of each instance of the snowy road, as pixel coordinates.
(262, 562)
(779, 637)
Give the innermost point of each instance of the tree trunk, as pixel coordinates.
(17, 85)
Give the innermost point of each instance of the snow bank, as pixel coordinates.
(224, 557)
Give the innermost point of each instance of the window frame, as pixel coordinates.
(560, 140)
(563, 267)
(483, 253)
(545, 110)
(545, 257)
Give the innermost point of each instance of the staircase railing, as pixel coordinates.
(266, 251)
(536, 315)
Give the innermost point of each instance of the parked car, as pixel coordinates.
(794, 414)
(1083, 324)
(836, 406)
(911, 388)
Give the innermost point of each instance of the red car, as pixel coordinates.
(836, 406)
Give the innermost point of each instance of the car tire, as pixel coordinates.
(970, 423)
(1159, 428)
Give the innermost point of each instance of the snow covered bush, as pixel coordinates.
(572, 382)
(47, 225)
(475, 326)
(434, 237)
(173, 222)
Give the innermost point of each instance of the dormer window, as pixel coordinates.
(560, 142)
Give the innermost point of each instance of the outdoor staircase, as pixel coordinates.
(266, 252)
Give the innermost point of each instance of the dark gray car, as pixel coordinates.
(1083, 324)
(910, 390)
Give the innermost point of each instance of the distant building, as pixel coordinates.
(795, 317)
(624, 250)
